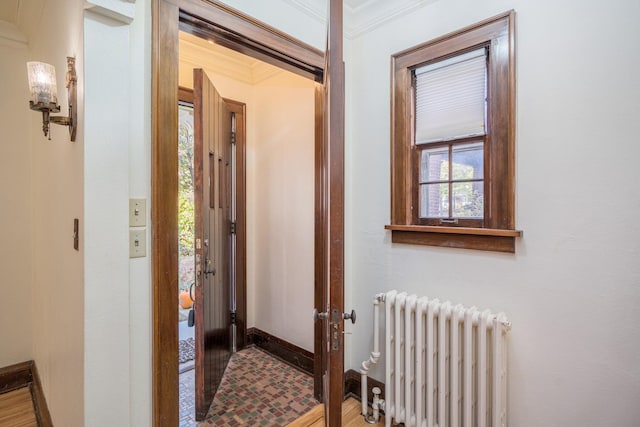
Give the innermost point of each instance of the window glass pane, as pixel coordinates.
(468, 161)
(468, 199)
(434, 165)
(451, 98)
(434, 200)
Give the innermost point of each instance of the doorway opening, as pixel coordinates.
(186, 234)
(271, 295)
(244, 34)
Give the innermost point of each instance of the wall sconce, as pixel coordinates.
(44, 95)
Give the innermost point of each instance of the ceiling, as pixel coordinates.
(350, 4)
(200, 53)
(9, 10)
(360, 15)
(354, 4)
(19, 18)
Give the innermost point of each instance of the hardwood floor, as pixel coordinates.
(16, 409)
(351, 416)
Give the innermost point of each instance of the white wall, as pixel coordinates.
(16, 324)
(106, 181)
(54, 33)
(292, 17)
(117, 167)
(280, 210)
(572, 289)
(140, 310)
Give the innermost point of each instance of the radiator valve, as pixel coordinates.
(376, 405)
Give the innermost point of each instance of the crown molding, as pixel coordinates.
(312, 8)
(217, 61)
(9, 10)
(363, 17)
(11, 36)
(261, 71)
(119, 10)
(375, 13)
(221, 67)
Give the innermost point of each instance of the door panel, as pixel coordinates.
(334, 132)
(212, 156)
(320, 244)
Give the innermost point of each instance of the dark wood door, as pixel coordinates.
(212, 194)
(334, 146)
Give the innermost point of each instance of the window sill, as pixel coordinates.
(484, 239)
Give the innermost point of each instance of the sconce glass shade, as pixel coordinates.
(44, 95)
(42, 86)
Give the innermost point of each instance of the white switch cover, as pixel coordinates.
(138, 243)
(137, 212)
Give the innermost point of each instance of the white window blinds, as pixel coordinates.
(451, 98)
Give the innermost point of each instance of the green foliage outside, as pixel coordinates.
(185, 198)
(467, 196)
(468, 201)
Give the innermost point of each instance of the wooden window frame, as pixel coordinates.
(497, 231)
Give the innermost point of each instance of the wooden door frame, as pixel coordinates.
(334, 146)
(242, 33)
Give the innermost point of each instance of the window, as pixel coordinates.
(452, 142)
(450, 115)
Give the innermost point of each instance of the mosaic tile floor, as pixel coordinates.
(256, 390)
(187, 399)
(186, 350)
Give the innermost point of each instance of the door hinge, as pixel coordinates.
(233, 318)
(233, 137)
(233, 228)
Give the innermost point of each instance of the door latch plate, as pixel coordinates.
(336, 318)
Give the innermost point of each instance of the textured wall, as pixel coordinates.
(572, 287)
(281, 210)
(15, 200)
(57, 197)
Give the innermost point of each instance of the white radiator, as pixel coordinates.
(446, 365)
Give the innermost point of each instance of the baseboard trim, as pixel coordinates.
(25, 374)
(353, 384)
(290, 353)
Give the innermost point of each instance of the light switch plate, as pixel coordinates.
(137, 212)
(138, 243)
